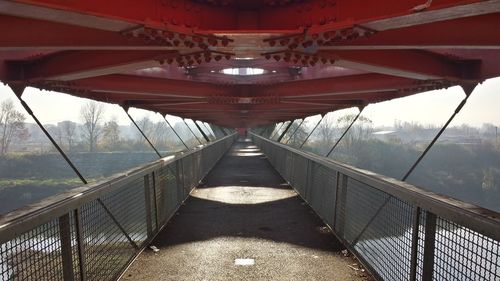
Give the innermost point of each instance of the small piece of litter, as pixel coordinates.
(323, 230)
(345, 253)
(315, 257)
(353, 268)
(156, 250)
(244, 262)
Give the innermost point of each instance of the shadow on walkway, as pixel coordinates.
(244, 209)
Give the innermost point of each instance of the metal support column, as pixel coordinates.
(284, 132)
(345, 132)
(18, 91)
(312, 131)
(295, 131)
(276, 130)
(189, 128)
(142, 133)
(175, 132)
(201, 131)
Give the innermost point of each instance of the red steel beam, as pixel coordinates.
(340, 86)
(117, 15)
(73, 65)
(413, 64)
(465, 33)
(27, 34)
(135, 86)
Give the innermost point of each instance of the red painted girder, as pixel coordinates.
(73, 65)
(479, 32)
(413, 64)
(27, 34)
(340, 86)
(135, 86)
(118, 15)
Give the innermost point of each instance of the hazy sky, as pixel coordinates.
(432, 107)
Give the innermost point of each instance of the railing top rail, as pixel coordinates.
(22, 220)
(484, 221)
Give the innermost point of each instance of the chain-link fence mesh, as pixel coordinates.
(396, 236)
(102, 229)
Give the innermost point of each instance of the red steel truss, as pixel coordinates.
(316, 55)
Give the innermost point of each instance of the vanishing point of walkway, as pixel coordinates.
(244, 210)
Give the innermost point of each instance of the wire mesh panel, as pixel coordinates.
(196, 169)
(34, 255)
(463, 254)
(188, 174)
(379, 226)
(107, 225)
(113, 227)
(169, 195)
(323, 182)
(298, 173)
(375, 217)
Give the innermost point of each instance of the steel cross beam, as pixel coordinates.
(74, 65)
(119, 15)
(413, 64)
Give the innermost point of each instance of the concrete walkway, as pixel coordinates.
(246, 213)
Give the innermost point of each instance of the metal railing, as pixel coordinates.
(397, 230)
(96, 231)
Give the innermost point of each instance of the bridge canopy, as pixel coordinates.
(244, 63)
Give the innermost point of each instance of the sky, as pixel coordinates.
(432, 107)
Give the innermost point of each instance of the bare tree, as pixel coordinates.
(68, 130)
(327, 130)
(111, 134)
(360, 130)
(11, 125)
(147, 127)
(92, 114)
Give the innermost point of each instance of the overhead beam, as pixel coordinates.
(344, 86)
(74, 65)
(119, 15)
(477, 32)
(135, 86)
(28, 34)
(413, 64)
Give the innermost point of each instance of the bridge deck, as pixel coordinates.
(244, 210)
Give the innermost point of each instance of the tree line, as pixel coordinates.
(91, 134)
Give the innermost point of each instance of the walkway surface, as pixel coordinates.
(244, 210)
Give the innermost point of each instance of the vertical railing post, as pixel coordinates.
(155, 187)
(66, 252)
(80, 241)
(429, 246)
(147, 201)
(161, 209)
(341, 197)
(179, 177)
(414, 243)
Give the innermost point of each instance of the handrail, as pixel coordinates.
(430, 235)
(472, 216)
(89, 220)
(56, 205)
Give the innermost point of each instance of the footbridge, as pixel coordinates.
(249, 140)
